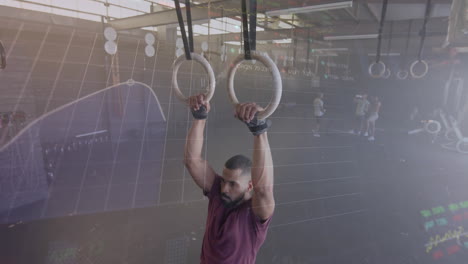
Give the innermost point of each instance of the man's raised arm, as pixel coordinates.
(201, 172)
(263, 202)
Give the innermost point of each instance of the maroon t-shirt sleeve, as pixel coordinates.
(215, 188)
(260, 230)
(259, 224)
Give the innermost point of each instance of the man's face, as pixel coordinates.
(234, 187)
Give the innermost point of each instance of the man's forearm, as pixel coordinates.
(262, 164)
(194, 144)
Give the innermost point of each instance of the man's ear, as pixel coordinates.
(250, 186)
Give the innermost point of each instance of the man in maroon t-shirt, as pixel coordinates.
(241, 201)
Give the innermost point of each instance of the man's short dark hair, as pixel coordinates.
(239, 162)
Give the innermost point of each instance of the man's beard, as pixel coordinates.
(228, 203)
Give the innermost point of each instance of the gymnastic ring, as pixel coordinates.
(277, 82)
(206, 65)
(426, 69)
(371, 69)
(387, 74)
(2, 56)
(402, 74)
(432, 130)
(462, 146)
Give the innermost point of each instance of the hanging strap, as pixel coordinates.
(423, 30)
(308, 48)
(188, 44)
(389, 45)
(249, 36)
(2, 56)
(408, 37)
(245, 31)
(253, 24)
(294, 51)
(347, 65)
(189, 24)
(382, 22)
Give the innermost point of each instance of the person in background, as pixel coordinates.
(374, 109)
(362, 106)
(319, 111)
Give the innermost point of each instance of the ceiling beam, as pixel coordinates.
(437, 29)
(353, 16)
(369, 11)
(410, 1)
(269, 35)
(225, 8)
(285, 34)
(222, 8)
